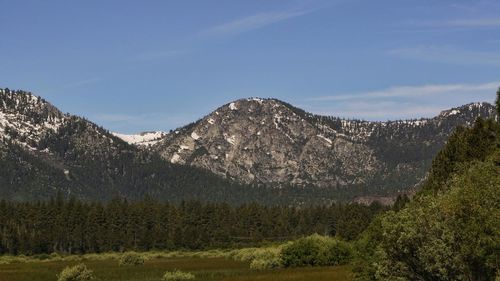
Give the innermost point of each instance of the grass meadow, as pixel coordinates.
(220, 269)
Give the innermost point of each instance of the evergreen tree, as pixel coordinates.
(449, 231)
(497, 103)
(75, 227)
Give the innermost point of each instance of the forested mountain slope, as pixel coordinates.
(450, 230)
(250, 150)
(44, 152)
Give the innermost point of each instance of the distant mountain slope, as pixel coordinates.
(44, 152)
(268, 141)
(239, 153)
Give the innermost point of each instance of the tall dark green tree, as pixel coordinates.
(497, 103)
(449, 231)
(74, 227)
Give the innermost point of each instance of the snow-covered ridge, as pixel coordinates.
(142, 139)
(26, 118)
(464, 108)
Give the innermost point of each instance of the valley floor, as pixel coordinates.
(210, 269)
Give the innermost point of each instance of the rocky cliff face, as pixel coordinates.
(247, 150)
(268, 141)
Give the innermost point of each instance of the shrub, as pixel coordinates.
(245, 255)
(55, 257)
(131, 258)
(42, 257)
(259, 258)
(266, 263)
(177, 275)
(315, 250)
(76, 273)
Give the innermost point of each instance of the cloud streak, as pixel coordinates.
(253, 22)
(381, 111)
(460, 23)
(413, 91)
(402, 102)
(448, 54)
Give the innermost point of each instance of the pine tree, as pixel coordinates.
(498, 105)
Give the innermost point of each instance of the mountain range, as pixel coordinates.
(249, 149)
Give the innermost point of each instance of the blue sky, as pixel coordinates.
(155, 65)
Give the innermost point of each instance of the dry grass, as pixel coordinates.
(210, 269)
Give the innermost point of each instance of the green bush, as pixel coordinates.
(131, 258)
(259, 258)
(451, 235)
(266, 263)
(315, 250)
(76, 273)
(42, 257)
(177, 275)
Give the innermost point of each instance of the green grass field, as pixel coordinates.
(220, 269)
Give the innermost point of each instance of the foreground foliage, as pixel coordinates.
(315, 250)
(259, 258)
(451, 229)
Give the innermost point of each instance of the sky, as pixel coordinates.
(134, 66)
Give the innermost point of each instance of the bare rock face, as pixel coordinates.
(252, 143)
(270, 142)
(264, 141)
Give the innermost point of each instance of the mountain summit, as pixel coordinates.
(271, 142)
(257, 149)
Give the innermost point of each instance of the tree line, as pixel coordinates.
(77, 227)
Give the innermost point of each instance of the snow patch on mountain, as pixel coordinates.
(142, 139)
(230, 139)
(175, 158)
(195, 136)
(25, 119)
(329, 141)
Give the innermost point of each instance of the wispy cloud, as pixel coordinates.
(238, 26)
(401, 102)
(476, 6)
(448, 54)
(460, 23)
(380, 110)
(413, 91)
(255, 21)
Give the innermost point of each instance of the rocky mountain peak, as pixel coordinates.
(268, 141)
(467, 110)
(264, 142)
(25, 118)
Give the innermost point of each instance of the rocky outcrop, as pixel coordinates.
(268, 141)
